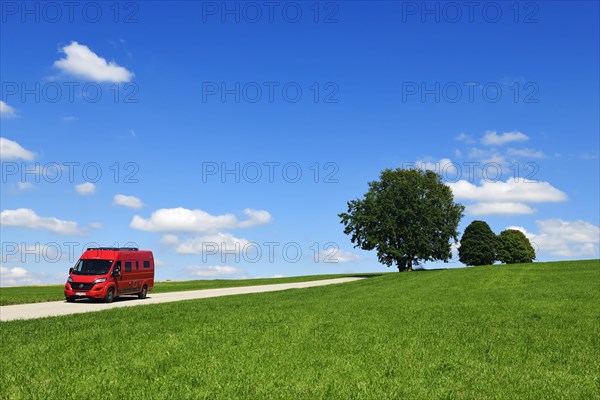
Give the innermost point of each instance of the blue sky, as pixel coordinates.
(227, 138)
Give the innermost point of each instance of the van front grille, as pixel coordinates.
(81, 286)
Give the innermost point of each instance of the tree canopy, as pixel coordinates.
(407, 216)
(478, 244)
(514, 247)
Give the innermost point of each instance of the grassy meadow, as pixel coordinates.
(512, 332)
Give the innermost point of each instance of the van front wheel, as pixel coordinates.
(110, 295)
(143, 293)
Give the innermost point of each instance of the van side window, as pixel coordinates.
(127, 266)
(137, 265)
(146, 264)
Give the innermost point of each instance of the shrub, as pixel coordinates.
(478, 244)
(514, 247)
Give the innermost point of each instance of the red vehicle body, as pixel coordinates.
(108, 272)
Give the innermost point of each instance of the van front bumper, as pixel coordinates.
(97, 291)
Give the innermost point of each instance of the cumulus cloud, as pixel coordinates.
(169, 239)
(491, 138)
(526, 153)
(213, 271)
(86, 188)
(508, 208)
(564, 238)
(445, 167)
(11, 150)
(463, 137)
(335, 255)
(218, 242)
(6, 111)
(16, 276)
(513, 190)
(127, 201)
(185, 220)
(82, 62)
(27, 218)
(505, 198)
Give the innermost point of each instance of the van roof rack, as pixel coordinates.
(114, 248)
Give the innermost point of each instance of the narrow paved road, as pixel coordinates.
(55, 308)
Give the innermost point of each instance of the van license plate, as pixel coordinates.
(79, 293)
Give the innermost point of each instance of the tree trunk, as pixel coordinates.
(410, 261)
(401, 264)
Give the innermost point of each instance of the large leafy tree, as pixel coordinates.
(408, 216)
(478, 244)
(514, 247)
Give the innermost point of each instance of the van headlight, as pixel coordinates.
(69, 279)
(99, 280)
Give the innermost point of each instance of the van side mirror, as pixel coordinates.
(116, 272)
(70, 270)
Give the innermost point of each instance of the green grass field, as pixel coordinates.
(522, 331)
(37, 294)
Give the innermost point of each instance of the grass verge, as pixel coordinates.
(37, 294)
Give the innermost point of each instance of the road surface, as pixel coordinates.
(56, 308)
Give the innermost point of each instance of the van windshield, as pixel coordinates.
(92, 267)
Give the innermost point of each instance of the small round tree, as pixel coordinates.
(478, 244)
(514, 247)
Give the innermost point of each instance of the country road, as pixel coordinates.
(56, 308)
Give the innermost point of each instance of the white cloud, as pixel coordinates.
(444, 167)
(219, 242)
(24, 185)
(507, 208)
(564, 238)
(212, 271)
(83, 62)
(334, 255)
(185, 220)
(6, 111)
(255, 217)
(278, 276)
(11, 150)
(491, 138)
(463, 137)
(27, 218)
(486, 156)
(96, 225)
(86, 188)
(513, 190)
(169, 239)
(527, 153)
(127, 201)
(16, 276)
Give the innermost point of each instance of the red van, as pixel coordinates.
(108, 272)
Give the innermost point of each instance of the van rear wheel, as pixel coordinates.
(143, 293)
(110, 295)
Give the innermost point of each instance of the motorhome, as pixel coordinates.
(105, 273)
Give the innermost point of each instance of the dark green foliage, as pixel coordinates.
(514, 247)
(408, 216)
(478, 244)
